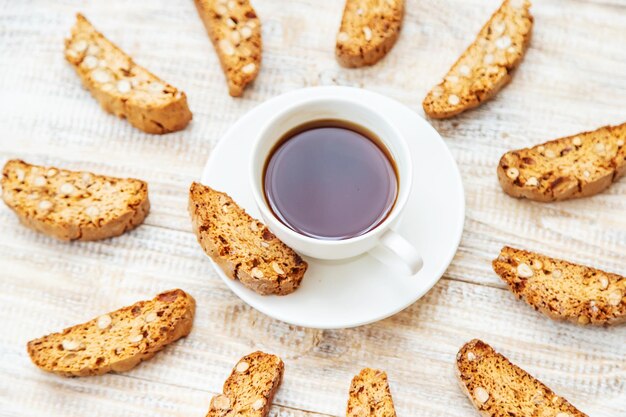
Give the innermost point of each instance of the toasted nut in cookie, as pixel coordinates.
(64, 206)
(498, 388)
(563, 290)
(565, 168)
(249, 392)
(243, 247)
(121, 86)
(486, 65)
(235, 31)
(369, 29)
(370, 396)
(116, 341)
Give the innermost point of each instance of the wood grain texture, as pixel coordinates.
(572, 79)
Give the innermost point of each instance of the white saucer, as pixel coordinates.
(361, 290)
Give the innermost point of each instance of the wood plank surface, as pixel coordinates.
(573, 79)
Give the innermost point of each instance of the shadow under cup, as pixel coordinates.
(345, 137)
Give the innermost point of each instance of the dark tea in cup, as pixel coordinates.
(331, 180)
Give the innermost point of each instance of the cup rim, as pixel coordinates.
(404, 183)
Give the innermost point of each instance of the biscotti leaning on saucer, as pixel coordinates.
(369, 29)
(250, 388)
(117, 341)
(71, 205)
(571, 167)
(563, 290)
(370, 396)
(498, 388)
(121, 86)
(486, 65)
(243, 247)
(235, 31)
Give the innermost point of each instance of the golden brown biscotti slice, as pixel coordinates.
(250, 388)
(369, 29)
(117, 341)
(486, 65)
(121, 86)
(563, 290)
(235, 31)
(370, 395)
(243, 247)
(575, 166)
(497, 388)
(70, 205)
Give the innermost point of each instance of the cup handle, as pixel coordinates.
(395, 251)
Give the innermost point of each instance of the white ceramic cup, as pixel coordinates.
(382, 242)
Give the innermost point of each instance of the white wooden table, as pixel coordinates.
(573, 79)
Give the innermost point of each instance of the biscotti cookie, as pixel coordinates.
(563, 290)
(121, 86)
(370, 395)
(369, 29)
(235, 31)
(243, 247)
(117, 341)
(71, 205)
(497, 388)
(250, 388)
(570, 167)
(486, 65)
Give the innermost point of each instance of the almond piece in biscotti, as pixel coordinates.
(563, 290)
(121, 86)
(575, 166)
(498, 388)
(71, 205)
(369, 29)
(486, 65)
(116, 341)
(235, 31)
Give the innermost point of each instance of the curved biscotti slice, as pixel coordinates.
(235, 31)
(370, 395)
(486, 65)
(575, 166)
(497, 388)
(71, 205)
(243, 247)
(121, 86)
(563, 290)
(369, 29)
(117, 341)
(250, 388)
